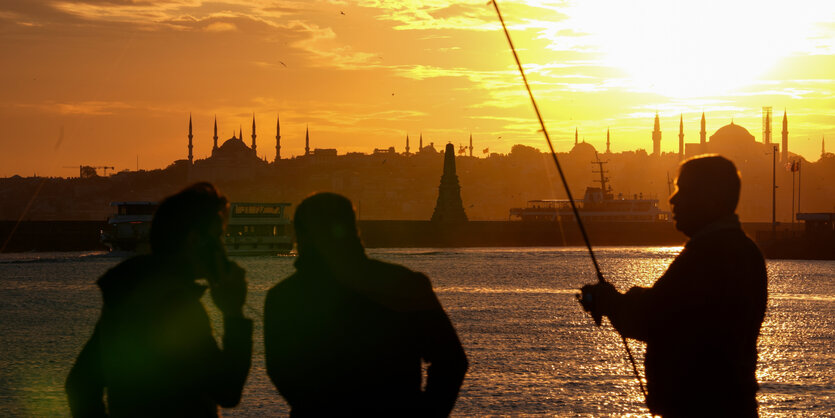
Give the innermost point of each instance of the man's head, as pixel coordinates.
(324, 223)
(707, 189)
(188, 225)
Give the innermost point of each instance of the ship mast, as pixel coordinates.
(602, 172)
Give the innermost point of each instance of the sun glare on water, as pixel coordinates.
(696, 48)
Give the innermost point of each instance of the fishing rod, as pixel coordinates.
(595, 314)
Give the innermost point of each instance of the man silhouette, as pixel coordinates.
(702, 318)
(152, 351)
(346, 335)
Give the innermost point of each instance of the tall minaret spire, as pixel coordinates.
(703, 133)
(190, 146)
(277, 139)
(407, 144)
(306, 140)
(576, 133)
(656, 137)
(241, 132)
(471, 144)
(785, 143)
(823, 146)
(681, 137)
(420, 145)
(253, 134)
(215, 137)
(608, 149)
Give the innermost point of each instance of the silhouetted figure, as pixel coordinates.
(702, 318)
(152, 351)
(346, 335)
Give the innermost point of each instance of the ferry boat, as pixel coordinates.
(258, 229)
(252, 229)
(130, 227)
(599, 204)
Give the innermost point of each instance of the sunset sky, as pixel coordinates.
(110, 82)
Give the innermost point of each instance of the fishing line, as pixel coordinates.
(600, 277)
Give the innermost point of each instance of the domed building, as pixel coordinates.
(233, 160)
(733, 140)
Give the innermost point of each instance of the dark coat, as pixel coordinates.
(153, 349)
(701, 321)
(336, 349)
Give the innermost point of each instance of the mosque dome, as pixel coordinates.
(234, 146)
(583, 148)
(731, 134)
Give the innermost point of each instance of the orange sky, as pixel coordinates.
(102, 82)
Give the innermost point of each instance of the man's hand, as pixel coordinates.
(597, 299)
(229, 289)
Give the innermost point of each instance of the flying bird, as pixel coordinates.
(341, 12)
(282, 63)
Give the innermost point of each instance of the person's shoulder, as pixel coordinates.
(127, 275)
(397, 273)
(288, 287)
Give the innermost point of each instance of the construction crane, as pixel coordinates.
(86, 173)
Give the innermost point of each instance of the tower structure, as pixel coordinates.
(253, 134)
(407, 144)
(608, 148)
(785, 142)
(214, 147)
(576, 135)
(420, 145)
(766, 124)
(823, 147)
(656, 137)
(471, 144)
(703, 133)
(306, 140)
(190, 146)
(681, 137)
(449, 207)
(277, 138)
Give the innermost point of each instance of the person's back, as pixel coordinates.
(348, 336)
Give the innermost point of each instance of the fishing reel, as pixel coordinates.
(589, 303)
(589, 297)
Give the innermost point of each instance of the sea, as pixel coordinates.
(532, 350)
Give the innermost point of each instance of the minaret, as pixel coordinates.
(767, 130)
(277, 139)
(608, 149)
(823, 147)
(785, 137)
(449, 207)
(575, 135)
(681, 137)
(190, 146)
(306, 140)
(703, 134)
(471, 144)
(215, 137)
(420, 145)
(407, 144)
(253, 134)
(656, 137)
(241, 131)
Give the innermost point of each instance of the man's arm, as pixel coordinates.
(85, 383)
(229, 294)
(443, 350)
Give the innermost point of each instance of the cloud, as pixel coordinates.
(86, 108)
(220, 27)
